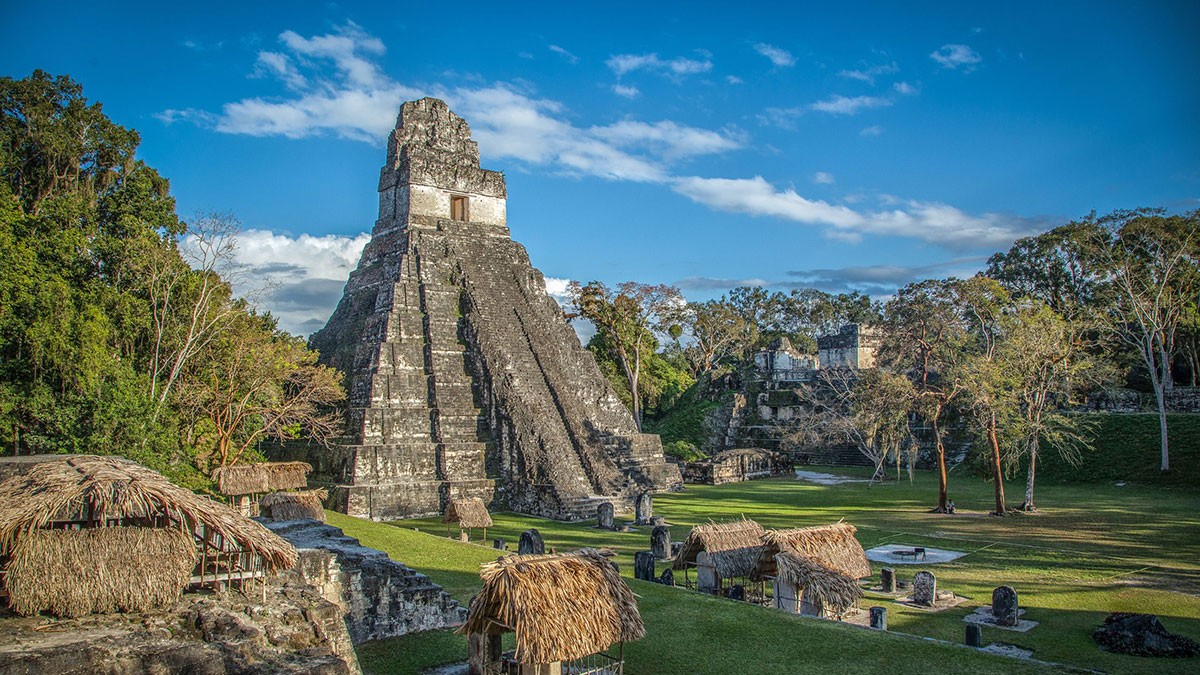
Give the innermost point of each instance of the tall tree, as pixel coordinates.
(716, 332)
(253, 383)
(925, 339)
(628, 318)
(988, 385)
(1153, 277)
(1043, 355)
(867, 409)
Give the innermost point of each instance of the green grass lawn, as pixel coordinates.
(1093, 549)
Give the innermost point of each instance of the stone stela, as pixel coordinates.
(924, 588)
(463, 378)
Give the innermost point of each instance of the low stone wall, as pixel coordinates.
(381, 598)
(286, 628)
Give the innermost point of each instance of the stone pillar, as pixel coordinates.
(657, 520)
(786, 596)
(810, 605)
(643, 508)
(481, 650)
(499, 544)
(924, 588)
(707, 580)
(604, 516)
(1005, 611)
(463, 536)
(531, 542)
(660, 542)
(879, 618)
(974, 635)
(643, 565)
(667, 578)
(887, 580)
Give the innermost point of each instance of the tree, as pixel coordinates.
(627, 318)
(925, 339)
(866, 408)
(1043, 355)
(1151, 261)
(103, 318)
(717, 333)
(989, 387)
(256, 382)
(1059, 268)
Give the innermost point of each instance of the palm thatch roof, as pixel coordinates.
(248, 479)
(294, 505)
(562, 607)
(72, 573)
(733, 547)
(470, 512)
(113, 490)
(832, 546)
(832, 590)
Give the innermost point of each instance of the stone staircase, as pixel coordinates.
(584, 508)
(382, 598)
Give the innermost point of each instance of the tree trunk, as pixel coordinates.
(941, 467)
(1161, 401)
(1030, 477)
(997, 469)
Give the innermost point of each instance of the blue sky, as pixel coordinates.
(700, 144)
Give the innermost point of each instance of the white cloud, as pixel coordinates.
(756, 196)
(904, 88)
(557, 289)
(779, 56)
(274, 64)
(955, 56)
(627, 92)
(822, 178)
(873, 130)
(869, 74)
(933, 222)
(845, 105)
(733, 79)
(345, 47)
(670, 139)
(621, 64)
(303, 276)
(571, 58)
(338, 89)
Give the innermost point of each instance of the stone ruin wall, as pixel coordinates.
(463, 378)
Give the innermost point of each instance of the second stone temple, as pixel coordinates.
(463, 377)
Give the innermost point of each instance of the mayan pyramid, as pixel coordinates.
(463, 377)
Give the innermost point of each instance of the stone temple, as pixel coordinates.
(463, 377)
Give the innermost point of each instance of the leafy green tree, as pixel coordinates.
(628, 318)
(717, 334)
(867, 409)
(1043, 355)
(989, 386)
(254, 382)
(925, 339)
(1152, 278)
(102, 317)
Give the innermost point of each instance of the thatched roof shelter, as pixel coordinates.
(248, 479)
(71, 573)
(832, 546)
(468, 513)
(733, 547)
(123, 526)
(294, 505)
(561, 607)
(823, 587)
(100, 490)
